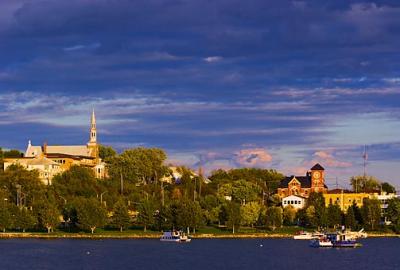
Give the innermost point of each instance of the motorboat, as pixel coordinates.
(302, 235)
(342, 240)
(321, 242)
(175, 236)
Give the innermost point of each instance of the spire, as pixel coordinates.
(93, 131)
(93, 119)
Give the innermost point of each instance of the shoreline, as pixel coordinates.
(157, 236)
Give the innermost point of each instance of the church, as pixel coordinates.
(313, 181)
(50, 160)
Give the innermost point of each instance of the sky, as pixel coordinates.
(218, 84)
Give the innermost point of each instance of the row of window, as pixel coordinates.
(291, 202)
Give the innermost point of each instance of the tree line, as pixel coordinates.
(136, 194)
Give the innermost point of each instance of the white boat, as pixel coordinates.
(175, 236)
(321, 242)
(302, 235)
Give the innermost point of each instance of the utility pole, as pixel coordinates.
(365, 157)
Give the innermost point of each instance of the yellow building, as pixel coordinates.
(344, 198)
(53, 159)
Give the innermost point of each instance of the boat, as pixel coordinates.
(343, 240)
(321, 242)
(175, 236)
(302, 235)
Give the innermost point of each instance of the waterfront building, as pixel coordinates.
(50, 160)
(344, 198)
(297, 202)
(383, 198)
(313, 181)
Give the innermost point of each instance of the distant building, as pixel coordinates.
(297, 202)
(314, 181)
(344, 198)
(52, 159)
(383, 198)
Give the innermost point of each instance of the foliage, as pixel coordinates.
(76, 182)
(316, 211)
(364, 183)
(233, 216)
(146, 213)
(120, 217)
(106, 152)
(334, 215)
(350, 220)
(48, 215)
(371, 212)
(138, 165)
(250, 213)
(244, 191)
(91, 214)
(388, 188)
(6, 220)
(274, 217)
(12, 154)
(24, 219)
(289, 215)
(393, 213)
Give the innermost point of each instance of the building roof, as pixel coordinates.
(317, 167)
(296, 196)
(37, 161)
(339, 191)
(71, 150)
(305, 181)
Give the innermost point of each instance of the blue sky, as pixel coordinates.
(228, 83)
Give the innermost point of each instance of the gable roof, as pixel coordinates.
(305, 181)
(317, 167)
(70, 150)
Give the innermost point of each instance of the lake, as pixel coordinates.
(376, 253)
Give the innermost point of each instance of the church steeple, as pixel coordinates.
(93, 131)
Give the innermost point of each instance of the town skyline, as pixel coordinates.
(278, 85)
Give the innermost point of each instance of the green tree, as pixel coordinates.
(121, 217)
(24, 219)
(138, 165)
(146, 213)
(244, 191)
(6, 221)
(289, 215)
(48, 215)
(364, 183)
(334, 215)
(317, 216)
(91, 214)
(232, 210)
(371, 212)
(393, 213)
(250, 213)
(12, 154)
(388, 188)
(274, 217)
(350, 218)
(106, 152)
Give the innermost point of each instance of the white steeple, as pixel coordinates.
(93, 132)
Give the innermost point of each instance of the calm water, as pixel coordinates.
(271, 254)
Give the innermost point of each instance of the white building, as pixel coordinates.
(384, 200)
(296, 201)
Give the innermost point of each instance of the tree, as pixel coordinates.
(274, 217)
(138, 165)
(76, 182)
(371, 212)
(91, 214)
(244, 191)
(146, 213)
(388, 188)
(48, 216)
(5, 217)
(350, 218)
(12, 154)
(232, 210)
(121, 217)
(289, 215)
(250, 213)
(364, 183)
(24, 219)
(393, 213)
(317, 215)
(106, 152)
(334, 215)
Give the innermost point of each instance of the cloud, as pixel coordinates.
(255, 157)
(213, 59)
(79, 47)
(328, 159)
